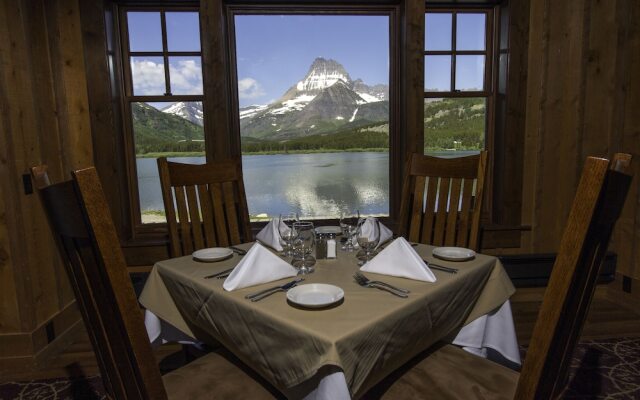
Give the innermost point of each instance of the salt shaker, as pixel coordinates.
(331, 248)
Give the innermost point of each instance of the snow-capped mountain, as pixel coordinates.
(325, 99)
(191, 111)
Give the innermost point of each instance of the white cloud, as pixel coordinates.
(186, 77)
(249, 88)
(148, 77)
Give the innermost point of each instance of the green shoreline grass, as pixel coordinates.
(275, 152)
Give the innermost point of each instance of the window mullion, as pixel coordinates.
(165, 55)
(454, 22)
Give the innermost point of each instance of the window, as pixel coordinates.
(457, 76)
(162, 98)
(313, 99)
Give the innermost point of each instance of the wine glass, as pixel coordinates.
(303, 246)
(368, 236)
(286, 232)
(348, 224)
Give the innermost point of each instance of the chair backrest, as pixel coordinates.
(442, 200)
(597, 205)
(86, 238)
(205, 205)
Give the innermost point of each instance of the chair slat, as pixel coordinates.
(232, 215)
(215, 189)
(441, 216)
(429, 211)
(217, 204)
(416, 209)
(169, 210)
(474, 232)
(465, 213)
(449, 181)
(183, 215)
(452, 214)
(194, 216)
(207, 216)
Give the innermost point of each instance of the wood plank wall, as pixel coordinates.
(583, 97)
(44, 119)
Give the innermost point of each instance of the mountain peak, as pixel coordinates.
(322, 74)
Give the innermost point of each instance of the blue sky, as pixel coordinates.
(274, 52)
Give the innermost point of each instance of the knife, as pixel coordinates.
(226, 271)
(440, 267)
(238, 250)
(268, 292)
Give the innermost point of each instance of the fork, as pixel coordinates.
(367, 280)
(363, 281)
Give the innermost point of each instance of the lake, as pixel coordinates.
(316, 185)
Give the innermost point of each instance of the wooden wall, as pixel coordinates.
(43, 119)
(583, 98)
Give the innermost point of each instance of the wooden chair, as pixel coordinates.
(442, 200)
(81, 223)
(451, 373)
(206, 205)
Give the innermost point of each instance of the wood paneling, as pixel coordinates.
(582, 99)
(44, 119)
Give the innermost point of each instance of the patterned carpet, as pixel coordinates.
(601, 369)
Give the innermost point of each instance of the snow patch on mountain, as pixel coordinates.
(250, 111)
(368, 98)
(295, 104)
(354, 115)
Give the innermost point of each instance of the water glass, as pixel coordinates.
(349, 224)
(287, 233)
(303, 247)
(368, 236)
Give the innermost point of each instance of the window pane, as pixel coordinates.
(183, 31)
(147, 75)
(164, 129)
(437, 73)
(454, 126)
(185, 74)
(314, 130)
(437, 33)
(470, 32)
(145, 33)
(470, 73)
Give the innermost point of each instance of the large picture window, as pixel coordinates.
(313, 99)
(163, 110)
(457, 79)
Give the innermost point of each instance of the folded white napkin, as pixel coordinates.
(400, 259)
(269, 234)
(258, 266)
(367, 230)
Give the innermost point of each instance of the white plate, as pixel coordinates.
(212, 254)
(335, 230)
(315, 295)
(454, 253)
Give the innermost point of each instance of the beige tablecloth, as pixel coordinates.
(368, 335)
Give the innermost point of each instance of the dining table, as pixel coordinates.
(343, 349)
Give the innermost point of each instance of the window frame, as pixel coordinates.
(137, 228)
(489, 91)
(396, 151)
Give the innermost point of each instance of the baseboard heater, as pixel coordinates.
(533, 270)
